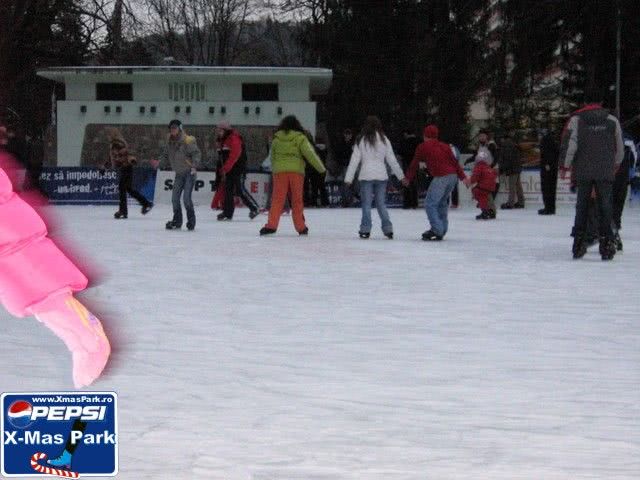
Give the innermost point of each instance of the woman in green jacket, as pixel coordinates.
(289, 152)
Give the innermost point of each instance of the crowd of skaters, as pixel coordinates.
(592, 147)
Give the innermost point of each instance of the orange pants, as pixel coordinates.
(284, 184)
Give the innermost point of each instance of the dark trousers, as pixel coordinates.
(183, 187)
(125, 186)
(234, 185)
(314, 187)
(549, 185)
(603, 189)
(620, 188)
(410, 196)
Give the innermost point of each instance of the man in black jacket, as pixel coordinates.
(592, 144)
(548, 172)
(406, 151)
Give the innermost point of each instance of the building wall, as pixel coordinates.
(156, 87)
(73, 140)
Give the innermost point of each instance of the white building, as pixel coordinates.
(198, 96)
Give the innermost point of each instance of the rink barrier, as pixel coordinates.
(93, 186)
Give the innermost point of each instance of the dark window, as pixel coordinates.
(260, 92)
(114, 91)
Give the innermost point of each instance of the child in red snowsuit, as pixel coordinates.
(483, 184)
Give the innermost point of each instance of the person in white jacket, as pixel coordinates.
(373, 152)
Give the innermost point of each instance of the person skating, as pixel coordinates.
(232, 151)
(290, 151)
(407, 150)
(445, 170)
(373, 152)
(341, 156)
(592, 145)
(123, 162)
(548, 172)
(483, 184)
(510, 166)
(621, 187)
(487, 145)
(37, 278)
(183, 155)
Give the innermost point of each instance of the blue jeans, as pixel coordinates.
(370, 189)
(437, 202)
(183, 187)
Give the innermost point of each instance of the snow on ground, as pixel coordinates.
(491, 355)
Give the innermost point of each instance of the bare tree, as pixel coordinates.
(200, 32)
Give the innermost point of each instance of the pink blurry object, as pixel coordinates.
(36, 278)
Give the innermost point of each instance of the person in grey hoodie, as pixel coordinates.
(592, 144)
(183, 156)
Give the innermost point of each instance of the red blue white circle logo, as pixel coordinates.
(19, 414)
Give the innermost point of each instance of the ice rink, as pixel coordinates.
(491, 355)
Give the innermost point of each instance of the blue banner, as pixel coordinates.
(82, 185)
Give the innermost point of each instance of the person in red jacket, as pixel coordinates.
(231, 150)
(445, 170)
(483, 184)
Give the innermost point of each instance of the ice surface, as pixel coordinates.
(490, 355)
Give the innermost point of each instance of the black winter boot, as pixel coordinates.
(579, 246)
(607, 248)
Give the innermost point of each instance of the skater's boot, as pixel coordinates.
(63, 461)
(191, 226)
(607, 248)
(431, 236)
(492, 214)
(147, 208)
(119, 214)
(579, 246)
(304, 231)
(389, 235)
(223, 218)
(253, 214)
(171, 225)
(364, 235)
(484, 215)
(266, 231)
(618, 242)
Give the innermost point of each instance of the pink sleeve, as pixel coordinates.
(31, 266)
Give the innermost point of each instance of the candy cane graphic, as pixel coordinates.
(56, 472)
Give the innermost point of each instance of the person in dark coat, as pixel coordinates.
(621, 187)
(342, 155)
(549, 152)
(315, 188)
(123, 161)
(233, 155)
(406, 150)
(592, 144)
(510, 166)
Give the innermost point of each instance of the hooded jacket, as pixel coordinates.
(483, 175)
(437, 155)
(592, 144)
(181, 153)
(289, 152)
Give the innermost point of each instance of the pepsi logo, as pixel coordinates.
(19, 414)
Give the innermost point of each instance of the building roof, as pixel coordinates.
(320, 78)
